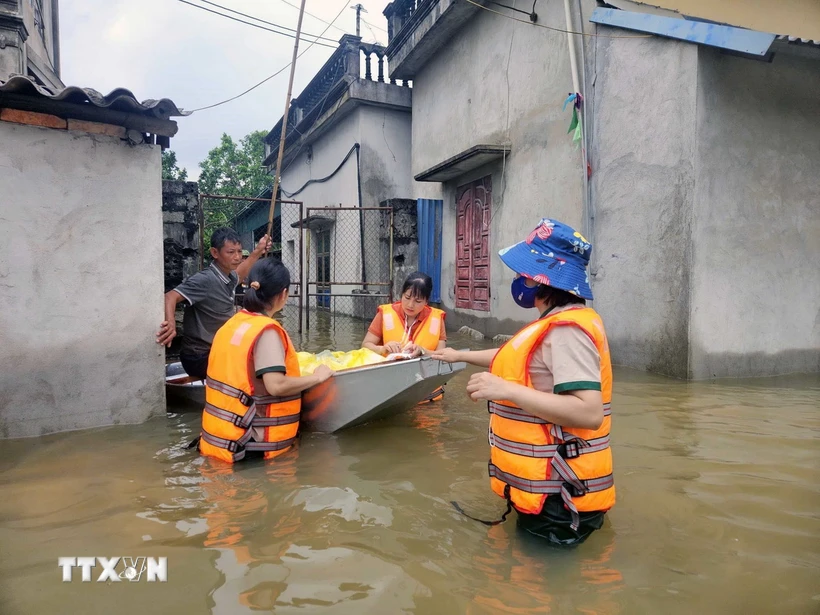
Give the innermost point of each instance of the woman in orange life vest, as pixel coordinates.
(254, 386)
(549, 390)
(409, 325)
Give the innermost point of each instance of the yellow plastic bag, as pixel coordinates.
(338, 360)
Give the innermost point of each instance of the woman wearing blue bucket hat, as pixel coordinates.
(549, 391)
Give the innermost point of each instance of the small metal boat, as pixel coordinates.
(363, 394)
(352, 397)
(180, 388)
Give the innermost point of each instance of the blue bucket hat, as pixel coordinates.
(554, 254)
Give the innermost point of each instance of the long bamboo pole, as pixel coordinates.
(285, 121)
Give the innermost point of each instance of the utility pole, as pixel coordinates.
(278, 176)
(359, 10)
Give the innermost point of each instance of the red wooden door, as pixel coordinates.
(473, 205)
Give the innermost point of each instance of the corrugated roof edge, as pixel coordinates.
(797, 39)
(119, 99)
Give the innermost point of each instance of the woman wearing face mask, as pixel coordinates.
(549, 390)
(253, 392)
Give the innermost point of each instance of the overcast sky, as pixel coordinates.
(167, 49)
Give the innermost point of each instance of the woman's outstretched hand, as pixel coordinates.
(448, 355)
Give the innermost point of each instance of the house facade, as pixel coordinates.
(694, 171)
(30, 41)
(347, 152)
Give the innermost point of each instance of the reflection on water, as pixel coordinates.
(716, 513)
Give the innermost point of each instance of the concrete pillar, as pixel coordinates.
(13, 35)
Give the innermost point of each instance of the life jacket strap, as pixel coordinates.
(266, 400)
(574, 487)
(269, 446)
(238, 447)
(243, 422)
(275, 421)
(514, 413)
(230, 391)
(567, 450)
(234, 447)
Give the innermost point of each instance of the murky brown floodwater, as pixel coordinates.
(717, 513)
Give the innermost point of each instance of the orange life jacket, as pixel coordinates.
(235, 398)
(531, 458)
(427, 334)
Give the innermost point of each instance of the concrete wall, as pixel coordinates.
(642, 155)
(707, 217)
(491, 69)
(755, 282)
(81, 276)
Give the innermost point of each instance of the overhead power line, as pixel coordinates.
(317, 17)
(374, 26)
(270, 23)
(278, 72)
(261, 27)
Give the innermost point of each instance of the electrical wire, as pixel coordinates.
(280, 71)
(270, 23)
(248, 23)
(375, 26)
(316, 17)
(375, 38)
(540, 25)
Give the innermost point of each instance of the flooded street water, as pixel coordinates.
(718, 496)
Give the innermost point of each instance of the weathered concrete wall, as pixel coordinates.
(707, 215)
(80, 280)
(460, 99)
(644, 142)
(181, 231)
(755, 292)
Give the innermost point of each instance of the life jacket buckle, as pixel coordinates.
(232, 447)
(569, 450)
(245, 399)
(575, 491)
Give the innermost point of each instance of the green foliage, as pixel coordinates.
(170, 169)
(233, 169)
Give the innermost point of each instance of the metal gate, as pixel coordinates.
(348, 269)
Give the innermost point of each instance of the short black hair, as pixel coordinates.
(222, 235)
(555, 297)
(419, 284)
(273, 277)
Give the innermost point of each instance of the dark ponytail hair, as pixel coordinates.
(419, 284)
(273, 277)
(555, 297)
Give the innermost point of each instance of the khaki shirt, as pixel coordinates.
(268, 356)
(567, 360)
